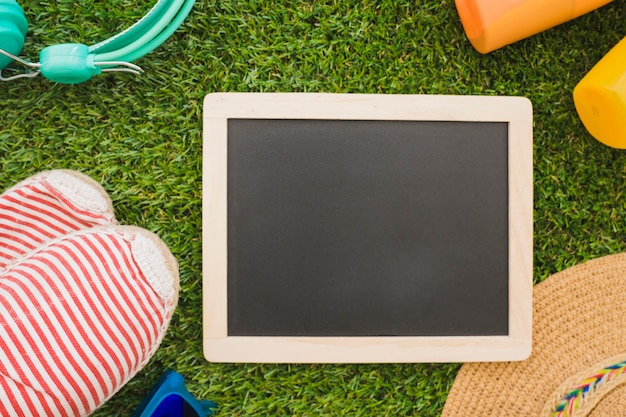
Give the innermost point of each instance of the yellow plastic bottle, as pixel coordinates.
(600, 98)
(492, 24)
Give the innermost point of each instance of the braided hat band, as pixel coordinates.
(578, 363)
(581, 395)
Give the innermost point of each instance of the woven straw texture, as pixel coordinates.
(579, 328)
(612, 404)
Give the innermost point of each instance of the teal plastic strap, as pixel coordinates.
(134, 32)
(145, 35)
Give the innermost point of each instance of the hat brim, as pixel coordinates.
(579, 329)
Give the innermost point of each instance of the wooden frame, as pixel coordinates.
(220, 347)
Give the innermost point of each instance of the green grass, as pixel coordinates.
(141, 138)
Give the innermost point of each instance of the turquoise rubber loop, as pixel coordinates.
(13, 28)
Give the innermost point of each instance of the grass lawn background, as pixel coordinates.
(141, 138)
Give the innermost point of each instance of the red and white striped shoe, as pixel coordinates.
(80, 316)
(46, 206)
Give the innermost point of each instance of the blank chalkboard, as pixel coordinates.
(334, 232)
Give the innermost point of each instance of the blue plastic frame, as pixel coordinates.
(170, 398)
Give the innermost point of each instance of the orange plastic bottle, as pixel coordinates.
(600, 98)
(492, 24)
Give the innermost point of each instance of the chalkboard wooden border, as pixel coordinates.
(220, 347)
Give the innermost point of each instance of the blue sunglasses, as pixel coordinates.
(169, 398)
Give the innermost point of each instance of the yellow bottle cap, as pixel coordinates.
(600, 98)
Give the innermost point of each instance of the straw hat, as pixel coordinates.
(578, 363)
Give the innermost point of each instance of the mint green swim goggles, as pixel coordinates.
(73, 63)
